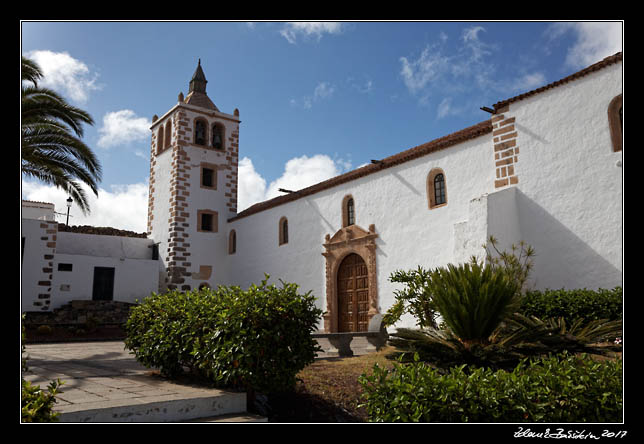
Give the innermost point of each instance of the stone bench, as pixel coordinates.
(353, 343)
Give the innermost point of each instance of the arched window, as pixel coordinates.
(232, 242)
(615, 119)
(351, 214)
(167, 135)
(283, 231)
(200, 132)
(439, 189)
(348, 211)
(217, 136)
(436, 188)
(160, 143)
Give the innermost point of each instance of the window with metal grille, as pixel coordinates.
(439, 189)
(283, 231)
(351, 214)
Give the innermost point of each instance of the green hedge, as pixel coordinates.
(555, 389)
(573, 304)
(257, 339)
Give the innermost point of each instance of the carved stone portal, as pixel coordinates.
(348, 240)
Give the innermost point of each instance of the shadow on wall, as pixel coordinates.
(562, 258)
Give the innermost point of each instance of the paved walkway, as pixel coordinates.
(104, 383)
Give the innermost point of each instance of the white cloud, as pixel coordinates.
(124, 207)
(530, 81)
(65, 74)
(417, 74)
(593, 41)
(299, 172)
(474, 44)
(364, 88)
(442, 70)
(322, 91)
(122, 127)
(251, 186)
(444, 107)
(292, 30)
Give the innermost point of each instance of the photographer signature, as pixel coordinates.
(567, 434)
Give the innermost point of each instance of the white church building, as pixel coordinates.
(546, 168)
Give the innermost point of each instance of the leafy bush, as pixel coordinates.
(38, 404)
(574, 304)
(414, 298)
(557, 389)
(44, 330)
(257, 339)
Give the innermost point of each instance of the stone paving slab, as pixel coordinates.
(104, 383)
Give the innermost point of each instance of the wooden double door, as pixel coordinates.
(353, 294)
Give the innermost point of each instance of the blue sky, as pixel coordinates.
(316, 99)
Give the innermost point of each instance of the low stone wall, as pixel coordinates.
(80, 312)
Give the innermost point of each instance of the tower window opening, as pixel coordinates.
(200, 133)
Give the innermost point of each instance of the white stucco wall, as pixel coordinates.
(37, 210)
(120, 247)
(409, 233)
(567, 204)
(135, 273)
(134, 279)
(570, 196)
(35, 266)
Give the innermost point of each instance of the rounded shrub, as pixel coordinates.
(560, 388)
(574, 304)
(256, 339)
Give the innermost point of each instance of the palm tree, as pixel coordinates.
(52, 149)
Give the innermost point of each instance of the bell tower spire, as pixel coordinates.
(198, 81)
(197, 93)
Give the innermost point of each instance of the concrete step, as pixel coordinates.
(243, 417)
(167, 408)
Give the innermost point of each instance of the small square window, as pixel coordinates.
(207, 177)
(206, 222)
(64, 267)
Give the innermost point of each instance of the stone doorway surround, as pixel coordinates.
(347, 240)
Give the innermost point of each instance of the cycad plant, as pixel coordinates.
(481, 326)
(473, 299)
(51, 131)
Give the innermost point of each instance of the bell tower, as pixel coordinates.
(193, 187)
